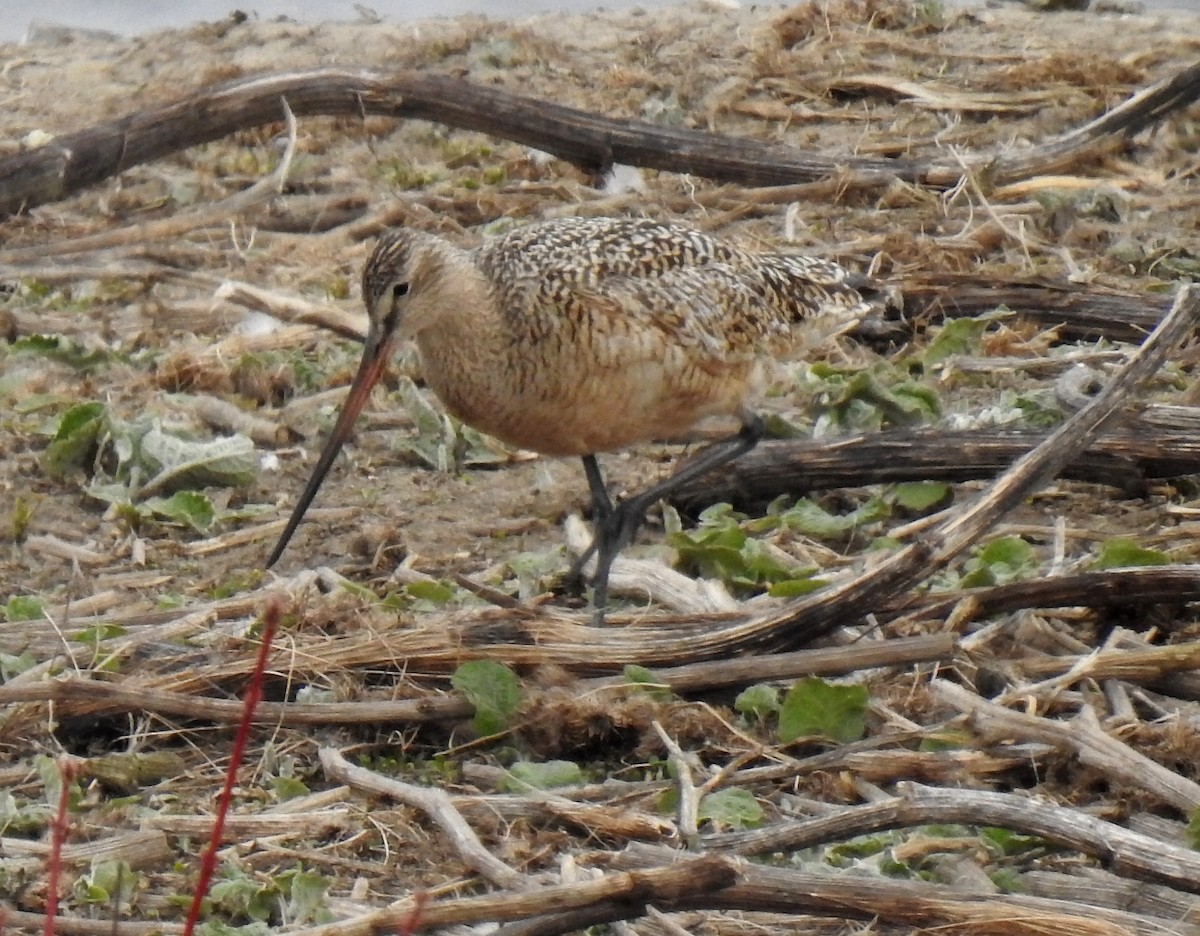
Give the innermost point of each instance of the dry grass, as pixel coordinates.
(147, 630)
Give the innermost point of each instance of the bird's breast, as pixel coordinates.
(569, 408)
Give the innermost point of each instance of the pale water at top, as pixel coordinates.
(132, 17)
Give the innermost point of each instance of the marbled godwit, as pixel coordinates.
(586, 335)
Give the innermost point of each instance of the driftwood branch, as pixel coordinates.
(1177, 584)
(1123, 458)
(910, 903)
(1080, 312)
(76, 697)
(1083, 736)
(1130, 853)
(77, 160)
(808, 618)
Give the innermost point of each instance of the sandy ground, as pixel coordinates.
(826, 79)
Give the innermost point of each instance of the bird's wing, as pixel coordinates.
(714, 315)
(704, 315)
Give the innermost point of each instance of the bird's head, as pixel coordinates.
(401, 264)
(404, 284)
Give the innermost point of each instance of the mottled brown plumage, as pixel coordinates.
(586, 335)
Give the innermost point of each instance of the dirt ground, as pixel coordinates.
(146, 333)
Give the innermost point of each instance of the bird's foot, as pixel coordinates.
(611, 536)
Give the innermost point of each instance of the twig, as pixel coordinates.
(86, 697)
(865, 897)
(224, 416)
(293, 309)
(165, 229)
(73, 161)
(1125, 458)
(1084, 736)
(689, 799)
(1174, 584)
(436, 804)
(1128, 852)
(808, 618)
(79, 926)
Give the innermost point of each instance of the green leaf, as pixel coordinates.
(74, 444)
(760, 563)
(111, 882)
(179, 463)
(917, 398)
(545, 775)
(732, 808)
(794, 588)
(21, 817)
(306, 897)
(1122, 553)
(286, 788)
(1007, 880)
(1013, 551)
(640, 675)
(845, 853)
(649, 681)
(190, 508)
(1005, 559)
(957, 337)
(811, 519)
(36, 345)
(1009, 843)
(436, 593)
(100, 632)
(920, 496)
(534, 569)
(494, 691)
(903, 405)
(23, 608)
(51, 777)
(13, 665)
(243, 896)
(1039, 409)
(362, 592)
(1193, 829)
(777, 427)
(816, 707)
(758, 701)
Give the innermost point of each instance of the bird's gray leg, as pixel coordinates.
(623, 521)
(602, 511)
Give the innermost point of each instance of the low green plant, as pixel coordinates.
(814, 707)
(542, 775)
(493, 689)
(1121, 552)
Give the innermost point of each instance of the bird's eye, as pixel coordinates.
(399, 289)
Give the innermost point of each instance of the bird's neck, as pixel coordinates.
(462, 341)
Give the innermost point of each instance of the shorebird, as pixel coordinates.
(586, 335)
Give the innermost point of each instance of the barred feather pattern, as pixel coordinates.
(583, 335)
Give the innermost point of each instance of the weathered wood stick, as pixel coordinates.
(77, 160)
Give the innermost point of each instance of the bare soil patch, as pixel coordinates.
(129, 632)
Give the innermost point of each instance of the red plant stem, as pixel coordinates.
(68, 771)
(420, 899)
(250, 700)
